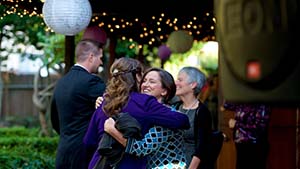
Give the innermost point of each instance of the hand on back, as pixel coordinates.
(98, 102)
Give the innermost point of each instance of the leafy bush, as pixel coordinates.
(28, 121)
(23, 148)
(18, 131)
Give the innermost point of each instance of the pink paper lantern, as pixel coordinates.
(95, 33)
(164, 52)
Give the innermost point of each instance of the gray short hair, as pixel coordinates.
(194, 75)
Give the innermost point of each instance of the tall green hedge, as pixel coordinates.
(23, 148)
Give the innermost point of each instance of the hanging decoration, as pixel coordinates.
(95, 33)
(180, 41)
(151, 29)
(67, 17)
(164, 52)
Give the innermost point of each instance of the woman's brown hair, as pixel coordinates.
(124, 72)
(166, 80)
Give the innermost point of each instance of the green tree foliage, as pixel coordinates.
(126, 48)
(30, 30)
(27, 24)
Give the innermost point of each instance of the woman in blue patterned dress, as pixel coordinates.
(162, 146)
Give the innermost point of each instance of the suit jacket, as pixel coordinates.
(72, 106)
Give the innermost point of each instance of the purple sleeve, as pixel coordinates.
(164, 116)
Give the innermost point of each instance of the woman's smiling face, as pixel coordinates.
(183, 86)
(152, 85)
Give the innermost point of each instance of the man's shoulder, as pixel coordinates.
(82, 73)
(79, 77)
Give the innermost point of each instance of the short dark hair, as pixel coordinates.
(85, 47)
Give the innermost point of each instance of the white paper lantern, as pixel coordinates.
(67, 17)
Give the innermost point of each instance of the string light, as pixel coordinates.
(153, 30)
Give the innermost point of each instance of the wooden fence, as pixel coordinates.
(17, 92)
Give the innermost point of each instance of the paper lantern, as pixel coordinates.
(164, 52)
(67, 17)
(95, 33)
(180, 41)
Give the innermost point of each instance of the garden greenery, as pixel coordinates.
(23, 148)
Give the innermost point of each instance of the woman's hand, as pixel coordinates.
(194, 163)
(98, 102)
(109, 125)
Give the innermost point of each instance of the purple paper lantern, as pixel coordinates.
(164, 52)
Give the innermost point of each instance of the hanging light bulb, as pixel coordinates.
(67, 17)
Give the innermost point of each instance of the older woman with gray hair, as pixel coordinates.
(189, 83)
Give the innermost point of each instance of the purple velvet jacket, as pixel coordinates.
(148, 112)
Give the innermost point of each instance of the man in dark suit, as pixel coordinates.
(73, 104)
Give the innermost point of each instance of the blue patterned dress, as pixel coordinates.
(163, 148)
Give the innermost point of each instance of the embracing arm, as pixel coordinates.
(109, 127)
(152, 141)
(164, 116)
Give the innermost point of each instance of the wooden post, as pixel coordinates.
(69, 52)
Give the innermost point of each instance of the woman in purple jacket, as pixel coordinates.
(122, 96)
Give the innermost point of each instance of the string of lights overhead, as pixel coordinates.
(150, 24)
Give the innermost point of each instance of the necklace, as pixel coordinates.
(190, 108)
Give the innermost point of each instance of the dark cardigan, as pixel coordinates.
(208, 143)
